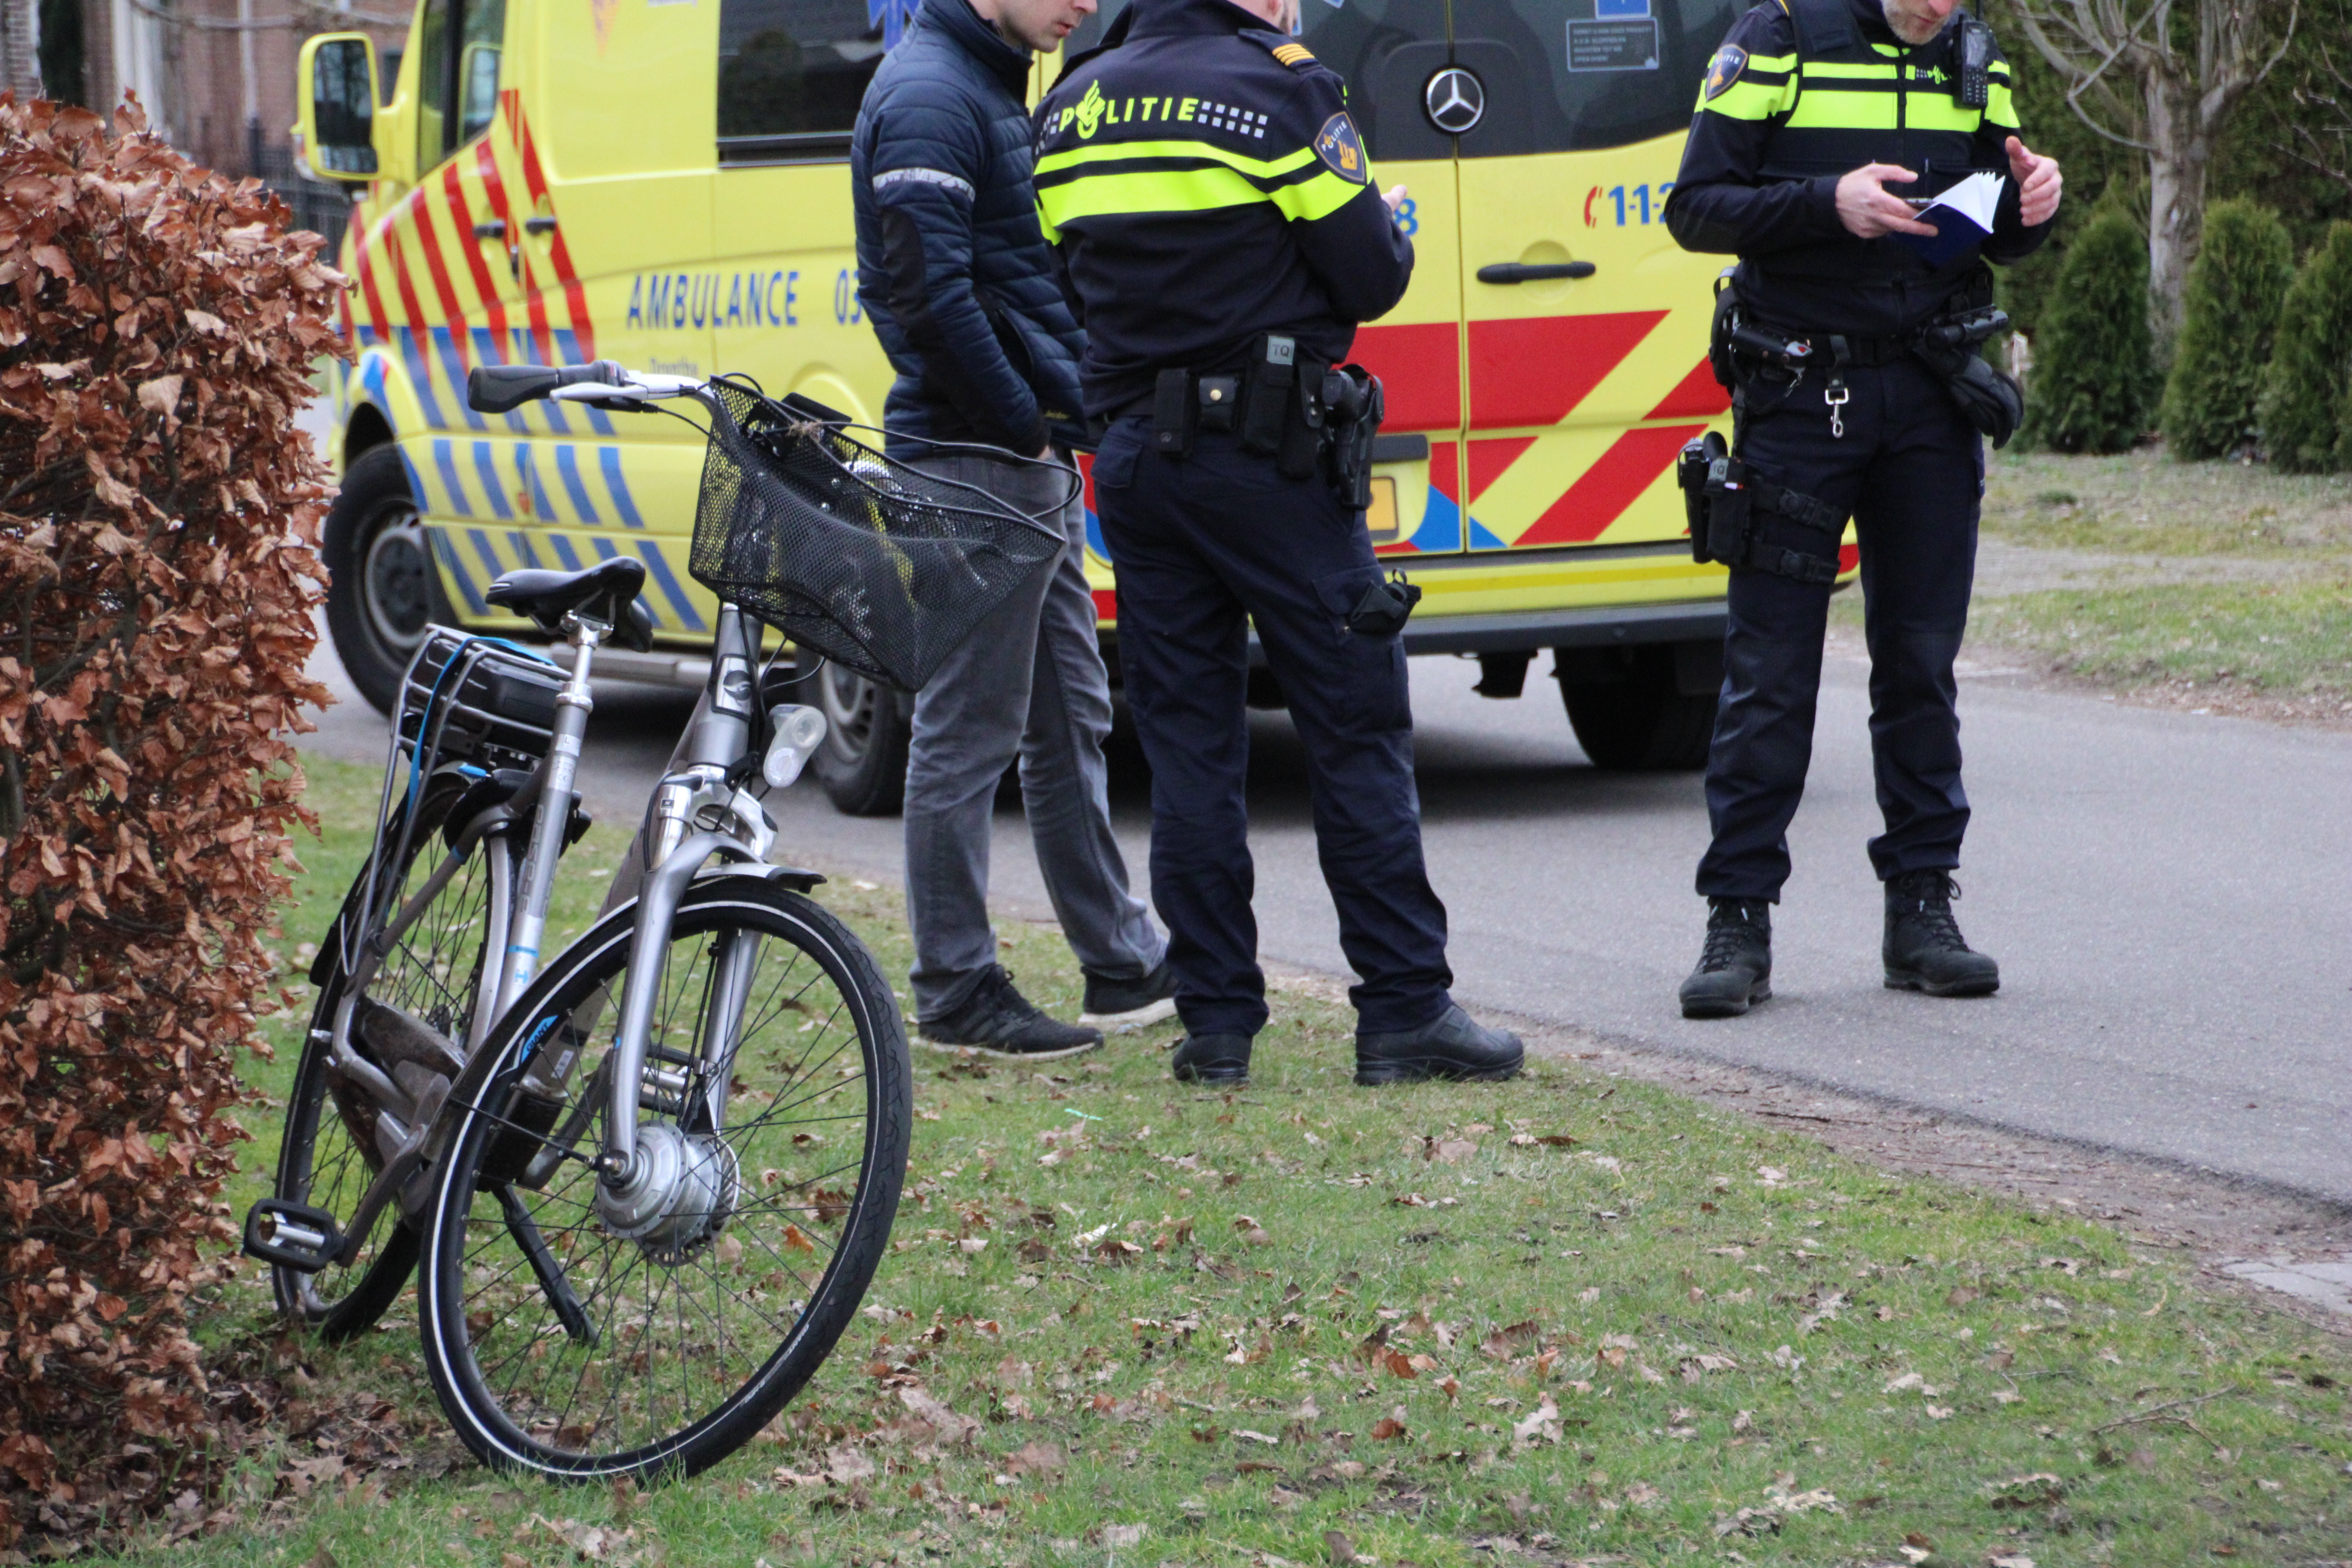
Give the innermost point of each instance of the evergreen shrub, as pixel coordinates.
(2093, 375)
(2307, 374)
(2234, 291)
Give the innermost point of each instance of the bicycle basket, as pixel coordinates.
(878, 566)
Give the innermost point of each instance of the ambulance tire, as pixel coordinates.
(1643, 721)
(867, 730)
(383, 591)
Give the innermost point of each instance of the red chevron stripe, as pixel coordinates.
(1603, 492)
(484, 284)
(575, 294)
(408, 295)
(1698, 396)
(1490, 457)
(1534, 370)
(1420, 367)
(452, 312)
(363, 262)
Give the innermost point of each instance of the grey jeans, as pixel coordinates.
(1030, 682)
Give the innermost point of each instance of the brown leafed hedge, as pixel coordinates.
(159, 519)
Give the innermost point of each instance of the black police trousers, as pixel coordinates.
(1910, 469)
(1206, 546)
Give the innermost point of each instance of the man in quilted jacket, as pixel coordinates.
(960, 285)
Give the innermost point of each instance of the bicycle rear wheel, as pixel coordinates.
(446, 911)
(570, 1339)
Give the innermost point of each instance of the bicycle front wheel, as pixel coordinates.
(575, 1335)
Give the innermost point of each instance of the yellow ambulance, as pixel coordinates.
(665, 182)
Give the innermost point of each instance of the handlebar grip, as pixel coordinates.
(500, 388)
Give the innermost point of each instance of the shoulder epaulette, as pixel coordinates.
(1288, 50)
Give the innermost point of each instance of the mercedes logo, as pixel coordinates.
(1456, 99)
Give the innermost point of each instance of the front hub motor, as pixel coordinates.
(680, 1192)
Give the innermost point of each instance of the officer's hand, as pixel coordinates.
(1866, 208)
(1394, 196)
(2038, 183)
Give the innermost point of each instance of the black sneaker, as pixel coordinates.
(998, 1021)
(1456, 1046)
(1212, 1058)
(1735, 968)
(1118, 1005)
(1924, 950)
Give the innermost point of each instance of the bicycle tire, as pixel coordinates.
(488, 1314)
(329, 1155)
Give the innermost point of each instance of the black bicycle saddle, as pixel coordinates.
(606, 592)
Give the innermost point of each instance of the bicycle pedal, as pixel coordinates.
(292, 1235)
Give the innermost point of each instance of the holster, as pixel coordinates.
(1721, 497)
(1953, 348)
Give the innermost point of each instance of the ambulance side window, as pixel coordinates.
(1573, 75)
(458, 43)
(791, 73)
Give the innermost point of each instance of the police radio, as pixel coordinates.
(1974, 90)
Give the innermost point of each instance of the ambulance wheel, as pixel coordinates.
(383, 592)
(868, 728)
(1640, 721)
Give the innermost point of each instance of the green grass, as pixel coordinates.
(2143, 503)
(2286, 638)
(1584, 1315)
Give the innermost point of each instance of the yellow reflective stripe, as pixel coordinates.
(1823, 110)
(1861, 71)
(1119, 151)
(1772, 62)
(1183, 190)
(1746, 100)
(1045, 224)
(2000, 108)
(1936, 113)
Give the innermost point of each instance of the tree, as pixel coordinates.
(2304, 384)
(2092, 378)
(2162, 76)
(2235, 288)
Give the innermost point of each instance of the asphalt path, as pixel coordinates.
(2166, 894)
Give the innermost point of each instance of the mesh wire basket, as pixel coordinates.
(882, 568)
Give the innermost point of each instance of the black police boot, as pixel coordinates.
(1924, 950)
(1212, 1058)
(1455, 1045)
(1735, 968)
(998, 1021)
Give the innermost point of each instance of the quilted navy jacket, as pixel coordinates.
(951, 268)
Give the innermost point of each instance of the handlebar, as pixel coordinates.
(603, 383)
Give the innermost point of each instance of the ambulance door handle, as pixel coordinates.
(494, 230)
(1533, 271)
(538, 226)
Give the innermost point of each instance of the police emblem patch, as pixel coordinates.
(1724, 69)
(1341, 149)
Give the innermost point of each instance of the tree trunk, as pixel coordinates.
(2181, 151)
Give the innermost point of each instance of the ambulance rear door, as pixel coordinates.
(1584, 364)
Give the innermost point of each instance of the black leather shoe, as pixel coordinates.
(1735, 968)
(998, 1021)
(1212, 1058)
(1456, 1046)
(1924, 950)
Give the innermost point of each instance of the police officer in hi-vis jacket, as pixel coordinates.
(1850, 333)
(1216, 215)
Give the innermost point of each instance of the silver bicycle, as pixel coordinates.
(645, 1185)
